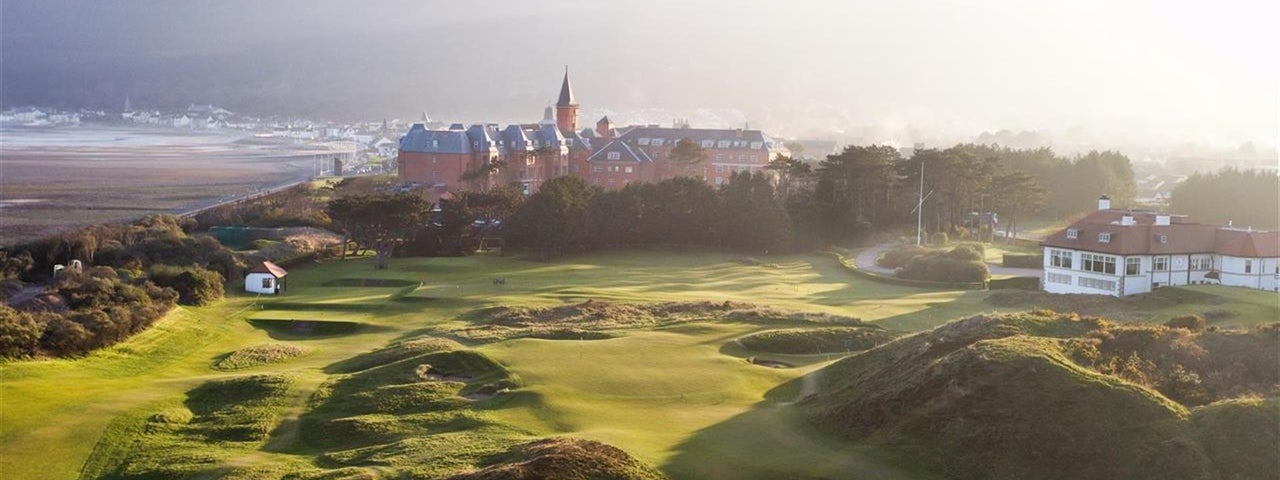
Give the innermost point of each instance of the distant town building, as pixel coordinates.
(484, 155)
(1125, 252)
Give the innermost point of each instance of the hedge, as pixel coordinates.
(852, 266)
(1023, 260)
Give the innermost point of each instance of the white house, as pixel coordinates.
(266, 277)
(1125, 252)
(384, 147)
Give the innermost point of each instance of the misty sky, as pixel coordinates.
(1161, 72)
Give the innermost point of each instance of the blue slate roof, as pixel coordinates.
(419, 139)
(625, 153)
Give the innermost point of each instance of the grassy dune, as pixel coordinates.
(679, 397)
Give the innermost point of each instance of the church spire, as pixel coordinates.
(566, 92)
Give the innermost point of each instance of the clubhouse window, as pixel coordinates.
(1132, 265)
(1098, 263)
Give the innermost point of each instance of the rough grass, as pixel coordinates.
(592, 319)
(804, 341)
(1240, 436)
(397, 351)
(563, 459)
(258, 355)
(1228, 306)
(218, 420)
(999, 396)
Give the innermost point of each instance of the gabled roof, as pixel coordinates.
(269, 268)
(566, 92)
(419, 139)
(1144, 237)
(625, 153)
(1243, 243)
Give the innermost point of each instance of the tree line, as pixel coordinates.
(132, 274)
(794, 206)
(1252, 198)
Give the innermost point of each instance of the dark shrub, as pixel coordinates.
(19, 333)
(195, 285)
(1193, 323)
(961, 264)
(899, 256)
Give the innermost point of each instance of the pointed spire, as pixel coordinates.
(566, 92)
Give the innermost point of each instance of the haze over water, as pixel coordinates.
(1096, 72)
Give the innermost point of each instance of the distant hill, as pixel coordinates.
(1024, 396)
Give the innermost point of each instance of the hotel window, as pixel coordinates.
(1132, 265)
(719, 157)
(1160, 264)
(723, 144)
(1104, 237)
(1164, 239)
(597, 168)
(755, 145)
(1248, 266)
(1060, 258)
(708, 143)
(1098, 263)
(1072, 233)
(615, 156)
(629, 169)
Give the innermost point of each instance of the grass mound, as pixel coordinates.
(802, 341)
(590, 319)
(1240, 436)
(1001, 396)
(395, 352)
(414, 409)
(563, 458)
(219, 420)
(371, 282)
(256, 355)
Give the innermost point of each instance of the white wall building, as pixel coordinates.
(266, 278)
(1122, 252)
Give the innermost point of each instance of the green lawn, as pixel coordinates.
(680, 398)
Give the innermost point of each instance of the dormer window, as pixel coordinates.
(1073, 233)
(643, 141)
(657, 142)
(1104, 237)
(615, 156)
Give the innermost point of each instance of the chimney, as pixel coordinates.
(1104, 203)
(1127, 220)
(1162, 220)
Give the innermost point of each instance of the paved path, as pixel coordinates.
(866, 260)
(26, 294)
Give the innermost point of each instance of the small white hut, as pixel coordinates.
(266, 277)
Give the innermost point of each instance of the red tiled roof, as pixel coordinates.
(269, 268)
(1143, 237)
(1238, 243)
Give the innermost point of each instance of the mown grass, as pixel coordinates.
(666, 394)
